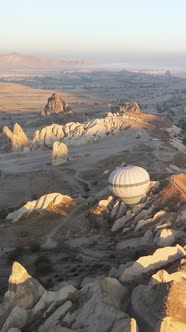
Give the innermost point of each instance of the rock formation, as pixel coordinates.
(145, 286)
(55, 105)
(130, 107)
(125, 107)
(160, 304)
(43, 203)
(59, 153)
(101, 308)
(23, 293)
(77, 133)
(149, 263)
(17, 138)
(148, 218)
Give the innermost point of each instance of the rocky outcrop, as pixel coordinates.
(160, 305)
(17, 138)
(59, 153)
(148, 217)
(125, 107)
(137, 243)
(100, 309)
(98, 306)
(151, 237)
(75, 133)
(53, 320)
(43, 203)
(174, 135)
(23, 293)
(48, 135)
(169, 324)
(146, 264)
(130, 107)
(55, 105)
(165, 237)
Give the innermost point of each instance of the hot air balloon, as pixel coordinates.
(129, 183)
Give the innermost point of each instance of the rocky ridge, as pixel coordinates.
(73, 134)
(94, 307)
(77, 133)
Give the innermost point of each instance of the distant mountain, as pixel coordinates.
(15, 61)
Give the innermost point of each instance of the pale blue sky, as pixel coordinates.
(99, 26)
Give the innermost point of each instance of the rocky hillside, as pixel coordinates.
(142, 288)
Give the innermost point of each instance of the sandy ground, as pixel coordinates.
(17, 98)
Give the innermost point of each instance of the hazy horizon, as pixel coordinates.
(132, 61)
(135, 33)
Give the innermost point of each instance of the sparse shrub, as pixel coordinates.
(43, 265)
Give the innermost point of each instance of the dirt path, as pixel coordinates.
(50, 242)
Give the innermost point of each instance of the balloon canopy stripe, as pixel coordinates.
(115, 185)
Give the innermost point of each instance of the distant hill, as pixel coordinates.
(14, 61)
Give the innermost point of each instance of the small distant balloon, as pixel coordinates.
(129, 183)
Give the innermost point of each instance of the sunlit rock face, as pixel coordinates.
(160, 306)
(130, 107)
(26, 301)
(100, 308)
(52, 199)
(124, 107)
(55, 105)
(75, 133)
(59, 153)
(17, 138)
(23, 291)
(169, 324)
(146, 264)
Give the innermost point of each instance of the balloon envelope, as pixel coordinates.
(129, 183)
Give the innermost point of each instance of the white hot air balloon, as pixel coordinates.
(129, 183)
